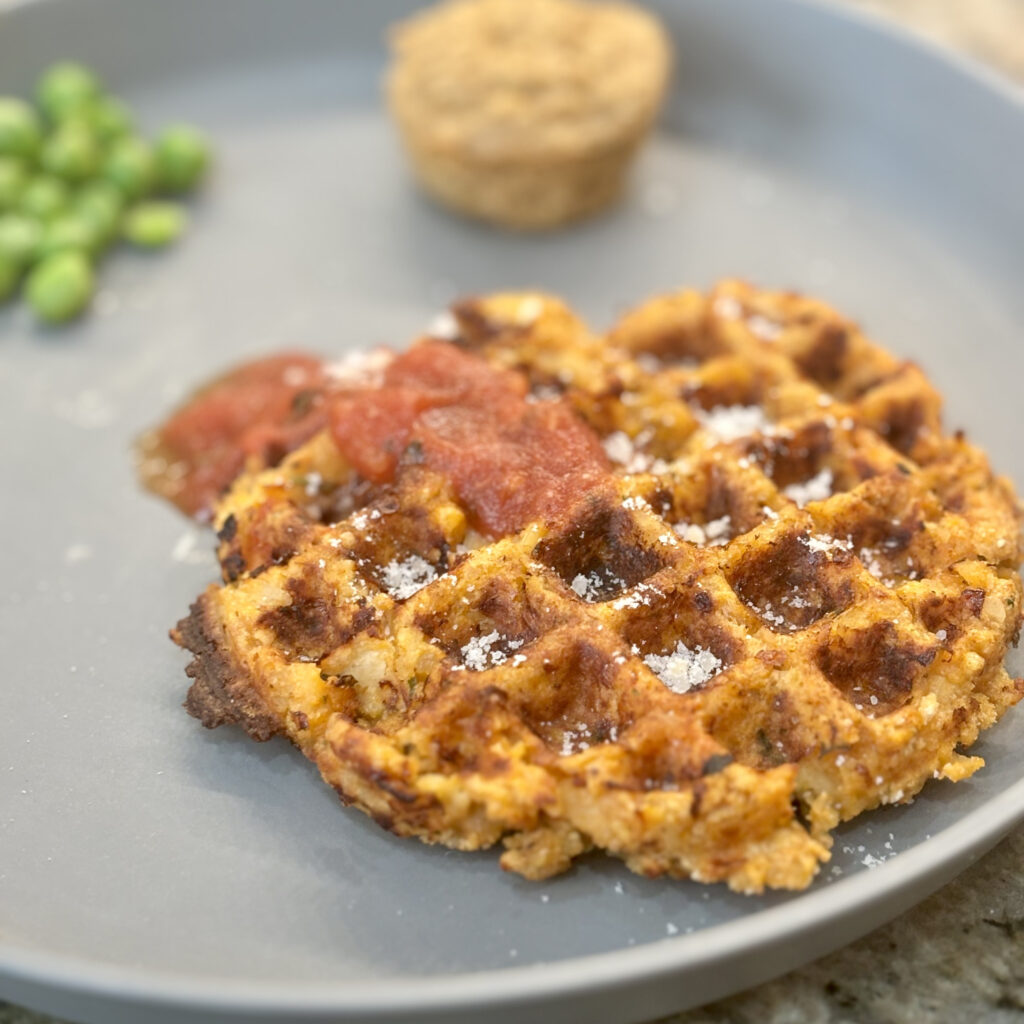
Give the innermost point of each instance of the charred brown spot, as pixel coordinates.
(221, 693)
(613, 388)
(301, 719)
(601, 544)
(903, 424)
(789, 585)
(948, 612)
(824, 360)
(727, 381)
(348, 497)
(666, 751)
(872, 383)
(875, 668)
(681, 341)
(721, 496)
(507, 607)
(679, 613)
(232, 566)
(383, 781)
(782, 728)
(271, 536)
(697, 791)
(310, 627)
(228, 529)
(476, 327)
(800, 456)
(577, 702)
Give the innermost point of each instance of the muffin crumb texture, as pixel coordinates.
(526, 113)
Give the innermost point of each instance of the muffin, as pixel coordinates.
(526, 113)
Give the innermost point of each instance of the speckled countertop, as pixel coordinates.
(959, 956)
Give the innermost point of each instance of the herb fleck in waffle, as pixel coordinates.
(788, 601)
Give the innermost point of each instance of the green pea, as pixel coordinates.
(20, 133)
(99, 204)
(44, 197)
(60, 287)
(9, 274)
(131, 166)
(68, 232)
(66, 89)
(13, 179)
(182, 157)
(154, 224)
(19, 238)
(71, 152)
(109, 118)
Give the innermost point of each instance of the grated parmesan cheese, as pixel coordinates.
(444, 326)
(589, 588)
(729, 422)
(361, 367)
(818, 488)
(770, 615)
(869, 559)
(619, 448)
(683, 669)
(405, 577)
(479, 653)
(361, 520)
(312, 484)
(691, 533)
(575, 739)
(826, 545)
(623, 450)
(763, 328)
(727, 308)
(639, 596)
(715, 533)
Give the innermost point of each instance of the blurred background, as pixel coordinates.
(992, 30)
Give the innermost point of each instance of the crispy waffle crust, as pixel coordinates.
(792, 604)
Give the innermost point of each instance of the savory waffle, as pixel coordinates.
(789, 602)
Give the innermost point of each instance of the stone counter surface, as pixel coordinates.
(959, 956)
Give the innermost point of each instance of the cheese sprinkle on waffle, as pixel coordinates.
(728, 586)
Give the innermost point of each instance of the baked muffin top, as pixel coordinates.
(528, 79)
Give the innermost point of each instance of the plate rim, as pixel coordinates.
(870, 893)
(953, 848)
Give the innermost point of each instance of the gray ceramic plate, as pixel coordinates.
(151, 871)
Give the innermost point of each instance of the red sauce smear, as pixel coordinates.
(509, 460)
(262, 410)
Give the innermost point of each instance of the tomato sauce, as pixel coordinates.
(510, 460)
(263, 410)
